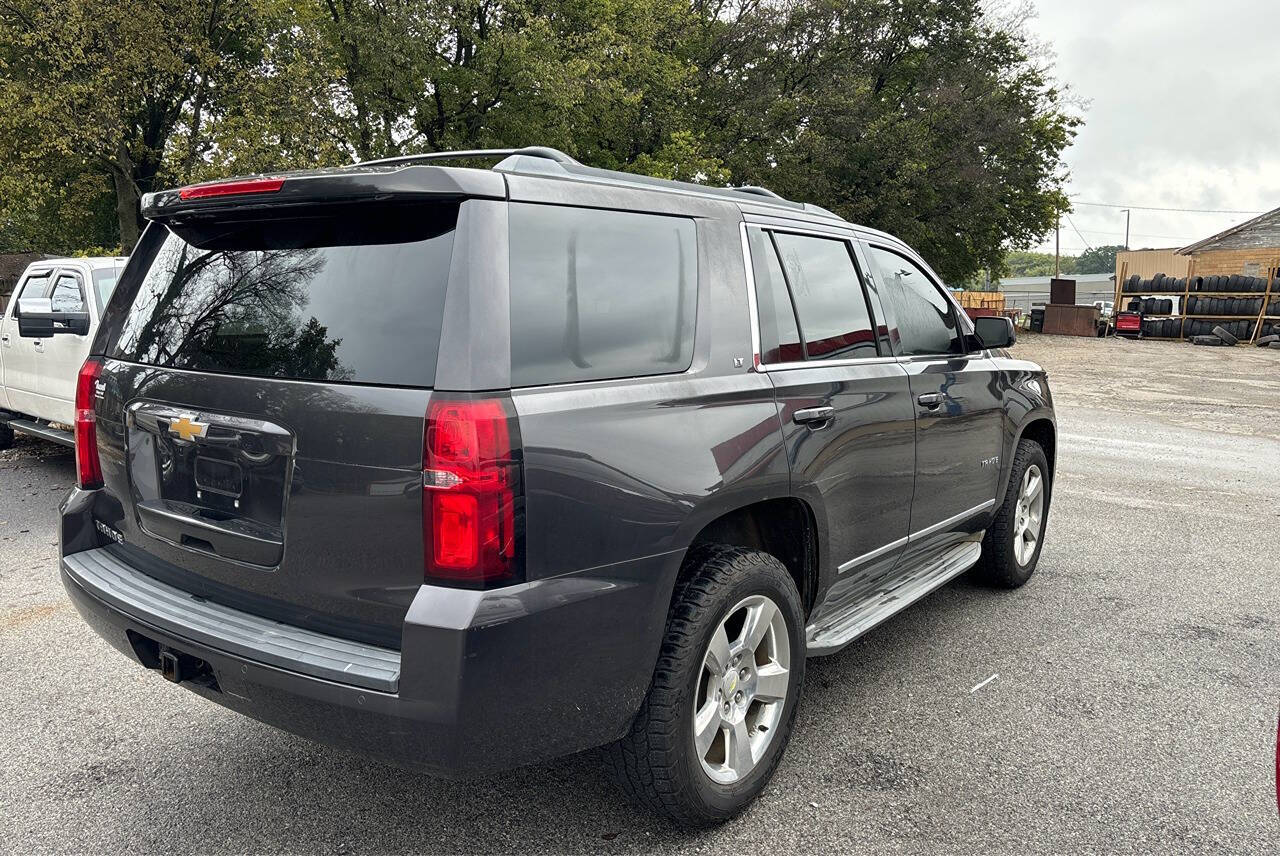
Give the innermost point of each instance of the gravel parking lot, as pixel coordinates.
(1134, 709)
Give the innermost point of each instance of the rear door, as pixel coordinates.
(261, 424)
(19, 355)
(845, 403)
(958, 410)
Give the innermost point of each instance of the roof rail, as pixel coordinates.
(757, 190)
(531, 151)
(565, 166)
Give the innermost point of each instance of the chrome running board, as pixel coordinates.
(831, 632)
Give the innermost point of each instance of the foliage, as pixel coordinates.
(56, 213)
(1099, 259)
(1025, 263)
(931, 120)
(913, 116)
(102, 87)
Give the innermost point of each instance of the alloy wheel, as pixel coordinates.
(742, 689)
(1028, 515)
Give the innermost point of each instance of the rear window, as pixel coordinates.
(104, 283)
(600, 294)
(353, 295)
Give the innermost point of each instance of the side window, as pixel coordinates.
(104, 283)
(600, 294)
(36, 285)
(835, 322)
(779, 335)
(926, 322)
(67, 294)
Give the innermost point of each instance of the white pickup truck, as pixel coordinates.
(45, 335)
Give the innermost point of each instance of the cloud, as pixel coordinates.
(1182, 111)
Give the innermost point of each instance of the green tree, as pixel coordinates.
(1026, 263)
(922, 118)
(931, 120)
(1099, 259)
(101, 88)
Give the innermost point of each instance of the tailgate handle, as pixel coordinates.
(238, 541)
(813, 415)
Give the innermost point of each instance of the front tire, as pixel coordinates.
(720, 709)
(1011, 547)
(6, 437)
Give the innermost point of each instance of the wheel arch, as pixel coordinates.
(1040, 427)
(783, 526)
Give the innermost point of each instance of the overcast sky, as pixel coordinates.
(1181, 108)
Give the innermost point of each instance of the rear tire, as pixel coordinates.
(1011, 547)
(659, 763)
(6, 437)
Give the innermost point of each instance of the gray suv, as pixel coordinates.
(469, 468)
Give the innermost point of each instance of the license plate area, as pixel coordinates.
(212, 483)
(224, 478)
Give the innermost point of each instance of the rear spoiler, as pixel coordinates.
(347, 184)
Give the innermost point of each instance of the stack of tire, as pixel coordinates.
(1151, 305)
(1233, 282)
(1162, 328)
(1214, 333)
(1161, 284)
(1269, 335)
(1224, 305)
(1241, 328)
(1273, 308)
(1158, 284)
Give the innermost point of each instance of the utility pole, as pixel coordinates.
(1126, 228)
(1057, 240)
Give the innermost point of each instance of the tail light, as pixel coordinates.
(472, 514)
(230, 188)
(88, 467)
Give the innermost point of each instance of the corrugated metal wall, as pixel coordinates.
(1148, 263)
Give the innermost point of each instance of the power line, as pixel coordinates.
(1081, 237)
(1153, 208)
(1136, 234)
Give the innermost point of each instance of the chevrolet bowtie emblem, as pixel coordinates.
(188, 429)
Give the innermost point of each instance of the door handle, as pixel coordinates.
(929, 400)
(4, 340)
(813, 415)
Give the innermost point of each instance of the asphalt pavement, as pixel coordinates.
(1132, 709)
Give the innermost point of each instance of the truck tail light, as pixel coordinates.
(472, 499)
(88, 466)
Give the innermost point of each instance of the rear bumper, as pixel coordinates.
(484, 681)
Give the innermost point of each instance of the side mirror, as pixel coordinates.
(995, 331)
(37, 320)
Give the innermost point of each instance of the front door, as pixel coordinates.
(18, 355)
(958, 411)
(60, 357)
(845, 405)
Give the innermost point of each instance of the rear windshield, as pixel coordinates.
(351, 295)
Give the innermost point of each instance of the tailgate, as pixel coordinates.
(262, 407)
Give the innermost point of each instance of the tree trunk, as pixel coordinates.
(128, 199)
